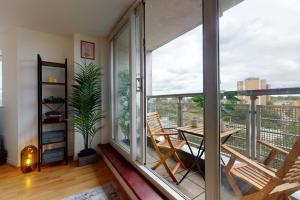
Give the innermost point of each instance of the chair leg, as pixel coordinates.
(162, 158)
(179, 160)
(233, 185)
(156, 165)
(169, 171)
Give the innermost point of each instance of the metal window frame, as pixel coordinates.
(129, 20)
(211, 90)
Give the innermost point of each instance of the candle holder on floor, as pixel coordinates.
(29, 159)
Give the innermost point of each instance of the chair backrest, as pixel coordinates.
(154, 124)
(290, 168)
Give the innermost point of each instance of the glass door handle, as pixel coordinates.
(139, 85)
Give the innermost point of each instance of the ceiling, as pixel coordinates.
(92, 17)
(168, 19)
(165, 19)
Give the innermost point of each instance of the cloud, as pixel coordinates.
(259, 38)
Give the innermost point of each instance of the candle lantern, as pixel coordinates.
(29, 159)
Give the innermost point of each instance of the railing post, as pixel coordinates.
(147, 105)
(253, 126)
(180, 114)
(248, 133)
(258, 128)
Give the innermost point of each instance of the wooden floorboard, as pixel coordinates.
(54, 182)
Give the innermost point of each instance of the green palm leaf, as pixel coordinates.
(86, 101)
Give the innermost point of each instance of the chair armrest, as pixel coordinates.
(170, 128)
(250, 162)
(162, 134)
(278, 149)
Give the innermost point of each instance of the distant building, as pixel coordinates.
(253, 83)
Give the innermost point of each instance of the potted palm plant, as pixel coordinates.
(86, 108)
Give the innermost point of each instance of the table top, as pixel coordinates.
(199, 131)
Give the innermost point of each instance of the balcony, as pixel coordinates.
(277, 124)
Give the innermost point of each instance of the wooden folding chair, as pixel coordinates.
(156, 131)
(268, 184)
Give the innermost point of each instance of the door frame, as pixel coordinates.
(130, 18)
(211, 91)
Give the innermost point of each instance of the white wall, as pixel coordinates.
(103, 52)
(8, 45)
(53, 48)
(100, 60)
(20, 48)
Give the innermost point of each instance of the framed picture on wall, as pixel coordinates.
(87, 50)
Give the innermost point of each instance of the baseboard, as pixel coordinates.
(12, 162)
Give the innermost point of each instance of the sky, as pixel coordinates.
(258, 38)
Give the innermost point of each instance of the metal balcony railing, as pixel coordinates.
(279, 125)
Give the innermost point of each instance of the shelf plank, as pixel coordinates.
(50, 83)
(52, 103)
(53, 162)
(53, 131)
(57, 142)
(55, 122)
(53, 64)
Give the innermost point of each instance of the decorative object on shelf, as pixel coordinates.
(86, 108)
(3, 152)
(52, 114)
(87, 50)
(29, 159)
(50, 137)
(53, 100)
(53, 155)
(51, 79)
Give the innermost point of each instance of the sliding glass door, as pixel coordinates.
(121, 56)
(127, 85)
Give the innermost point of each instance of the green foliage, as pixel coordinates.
(123, 92)
(86, 101)
(230, 99)
(199, 100)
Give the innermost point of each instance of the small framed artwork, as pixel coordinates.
(87, 50)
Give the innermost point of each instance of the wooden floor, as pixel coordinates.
(53, 182)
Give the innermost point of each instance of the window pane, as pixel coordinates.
(259, 54)
(174, 71)
(122, 86)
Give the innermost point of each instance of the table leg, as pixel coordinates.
(195, 159)
(199, 157)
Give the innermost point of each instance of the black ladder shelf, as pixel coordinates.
(48, 151)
